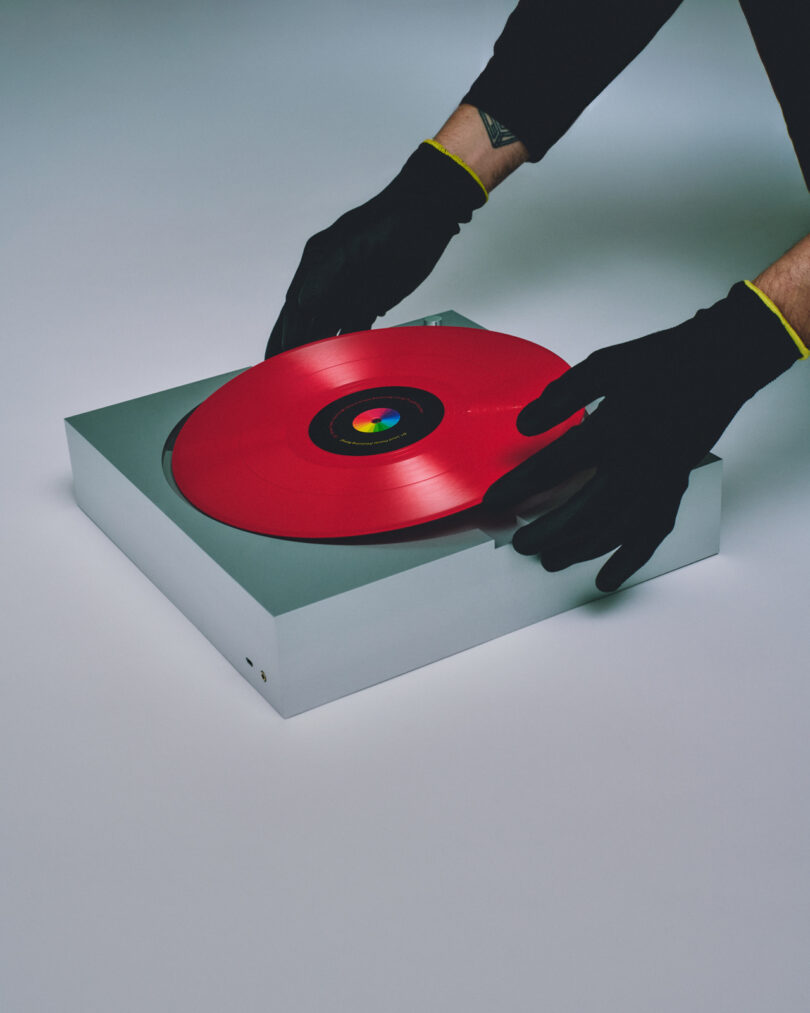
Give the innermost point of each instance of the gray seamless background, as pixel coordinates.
(606, 811)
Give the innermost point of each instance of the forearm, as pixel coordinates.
(787, 283)
(552, 59)
(486, 146)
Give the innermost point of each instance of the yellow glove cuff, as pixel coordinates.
(458, 161)
(804, 351)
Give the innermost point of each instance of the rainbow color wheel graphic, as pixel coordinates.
(376, 420)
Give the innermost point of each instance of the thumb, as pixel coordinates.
(573, 390)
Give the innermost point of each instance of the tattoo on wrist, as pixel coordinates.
(499, 135)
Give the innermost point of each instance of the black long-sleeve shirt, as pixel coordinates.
(555, 56)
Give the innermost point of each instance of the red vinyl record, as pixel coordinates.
(364, 433)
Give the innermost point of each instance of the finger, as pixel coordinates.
(292, 328)
(564, 396)
(579, 546)
(360, 320)
(630, 557)
(305, 328)
(319, 324)
(295, 327)
(573, 520)
(572, 452)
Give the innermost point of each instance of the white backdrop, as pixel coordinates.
(607, 811)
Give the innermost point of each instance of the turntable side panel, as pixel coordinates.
(204, 592)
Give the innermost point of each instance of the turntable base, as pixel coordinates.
(309, 622)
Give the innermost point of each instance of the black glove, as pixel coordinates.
(667, 399)
(376, 254)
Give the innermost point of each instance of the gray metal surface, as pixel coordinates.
(309, 622)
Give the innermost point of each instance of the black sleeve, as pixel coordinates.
(781, 30)
(555, 56)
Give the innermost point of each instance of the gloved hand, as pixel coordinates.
(667, 399)
(376, 254)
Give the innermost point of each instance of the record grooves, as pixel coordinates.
(364, 433)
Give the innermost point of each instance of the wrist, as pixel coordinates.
(460, 162)
(748, 343)
(795, 337)
(465, 136)
(439, 182)
(786, 283)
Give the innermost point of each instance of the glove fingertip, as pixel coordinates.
(495, 497)
(552, 562)
(523, 542)
(626, 561)
(362, 321)
(531, 419)
(552, 407)
(608, 582)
